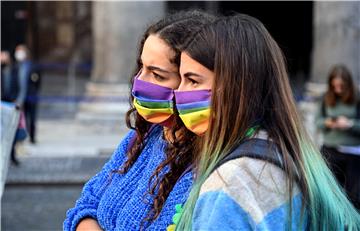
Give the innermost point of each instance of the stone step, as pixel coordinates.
(55, 170)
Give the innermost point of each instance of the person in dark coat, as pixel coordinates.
(10, 88)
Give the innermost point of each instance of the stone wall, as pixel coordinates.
(336, 38)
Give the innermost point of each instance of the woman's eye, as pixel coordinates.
(192, 81)
(159, 77)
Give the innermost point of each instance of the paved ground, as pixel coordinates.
(70, 137)
(68, 152)
(37, 207)
(42, 189)
(55, 170)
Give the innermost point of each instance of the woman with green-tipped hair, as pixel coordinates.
(257, 168)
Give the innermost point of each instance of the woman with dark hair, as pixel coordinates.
(148, 174)
(256, 168)
(338, 118)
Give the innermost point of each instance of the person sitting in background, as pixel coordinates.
(338, 118)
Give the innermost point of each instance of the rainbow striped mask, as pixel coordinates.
(194, 109)
(153, 102)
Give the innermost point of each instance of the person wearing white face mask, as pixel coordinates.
(24, 67)
(20, 54)
(29, 81)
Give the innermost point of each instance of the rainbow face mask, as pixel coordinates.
(153, 102)
(194, 109)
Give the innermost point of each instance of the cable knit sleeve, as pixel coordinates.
(86, 205)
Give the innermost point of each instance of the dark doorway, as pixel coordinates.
(290, 23)
(14, 17)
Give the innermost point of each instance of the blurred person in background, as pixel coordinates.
(9, 83)
(10, 88)
(148, 177)
(338, 117)
(29, 80)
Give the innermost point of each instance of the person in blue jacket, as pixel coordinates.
(29, 81)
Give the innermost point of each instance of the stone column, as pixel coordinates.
(117, 29)
(336, 38)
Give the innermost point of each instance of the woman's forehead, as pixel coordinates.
(156, 52)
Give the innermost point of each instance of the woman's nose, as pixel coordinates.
(143, 76)
(182, 86)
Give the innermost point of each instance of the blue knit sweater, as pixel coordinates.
(117, 201)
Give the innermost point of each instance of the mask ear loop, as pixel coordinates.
(133, 82)
(138, 73)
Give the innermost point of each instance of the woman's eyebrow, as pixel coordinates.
(188, 74)
(154, 68)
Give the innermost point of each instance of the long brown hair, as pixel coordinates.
(174, 30)
(253, 88)
(348, 97)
